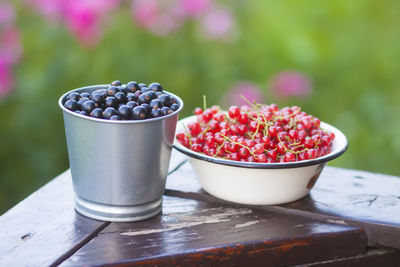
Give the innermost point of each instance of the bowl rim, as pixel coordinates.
(257, 165)
(92, 88)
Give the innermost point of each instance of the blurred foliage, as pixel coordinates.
(350, 49)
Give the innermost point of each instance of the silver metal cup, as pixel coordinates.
(118, 168)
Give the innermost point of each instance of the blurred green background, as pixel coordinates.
(348, 49)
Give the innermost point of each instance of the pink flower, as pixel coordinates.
(7, 13)
(82, 17)
(164, 17)
(246, 89)
(52, 9)
(10, 45)
(158, 17)
(84, 24)
(194, 8)
(218, 24)
(290, 84)
(145, 12)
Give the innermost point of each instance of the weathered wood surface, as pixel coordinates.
(375, 257)
(323, 229)
(356, 194)
(340, 196)
(201, 233)
(44, 229)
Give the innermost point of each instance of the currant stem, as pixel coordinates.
(248, 101)
(230, 140)
(283, 144)
(258, 125)
(188, 134)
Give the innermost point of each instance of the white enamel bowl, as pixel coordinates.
(259, 183)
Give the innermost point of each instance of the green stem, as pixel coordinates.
(230, 140)
(258, 124)
(188, 134)
(248, 101)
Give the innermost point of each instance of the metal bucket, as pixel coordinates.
(118, 168)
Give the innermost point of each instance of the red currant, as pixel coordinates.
(198, 111)
(290, 157)
(261, 158)
(234, 112)
(243, 152)
(272, 154)
(243, 118)
(194, 128)
(240, 134)
(258, 148)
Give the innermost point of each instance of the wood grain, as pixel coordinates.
(373, 258)
(194, 232)
(44, 228)
(341, 196)
(327, 228)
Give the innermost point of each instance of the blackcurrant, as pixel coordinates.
(88, 106)
(103, 91)
(82, 100)
(141, 85)
(132, 86)
(96, 113)
(132, 104)
(174, 107)
(112, 90)
(165, 99)
(144, 98)
(111, 102)
(98, 98)
(71, 105)
(109, 112)
(155, 113)
(121, 97)
(147, 108)
(116, 83)
(139, 113)
(122, 88)
(98, 91)
(167, 110)
(131, 97)
(156, 87)
(83, 112)
(124, 112)
(84, 94)
(156, 103)
(151, 94)
(74, 96)
(144, 89)
(115, 118)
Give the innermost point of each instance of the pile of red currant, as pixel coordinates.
(257, 133)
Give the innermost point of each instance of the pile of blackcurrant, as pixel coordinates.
(131, 101)
(257, 133)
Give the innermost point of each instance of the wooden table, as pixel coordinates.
(350, 218)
